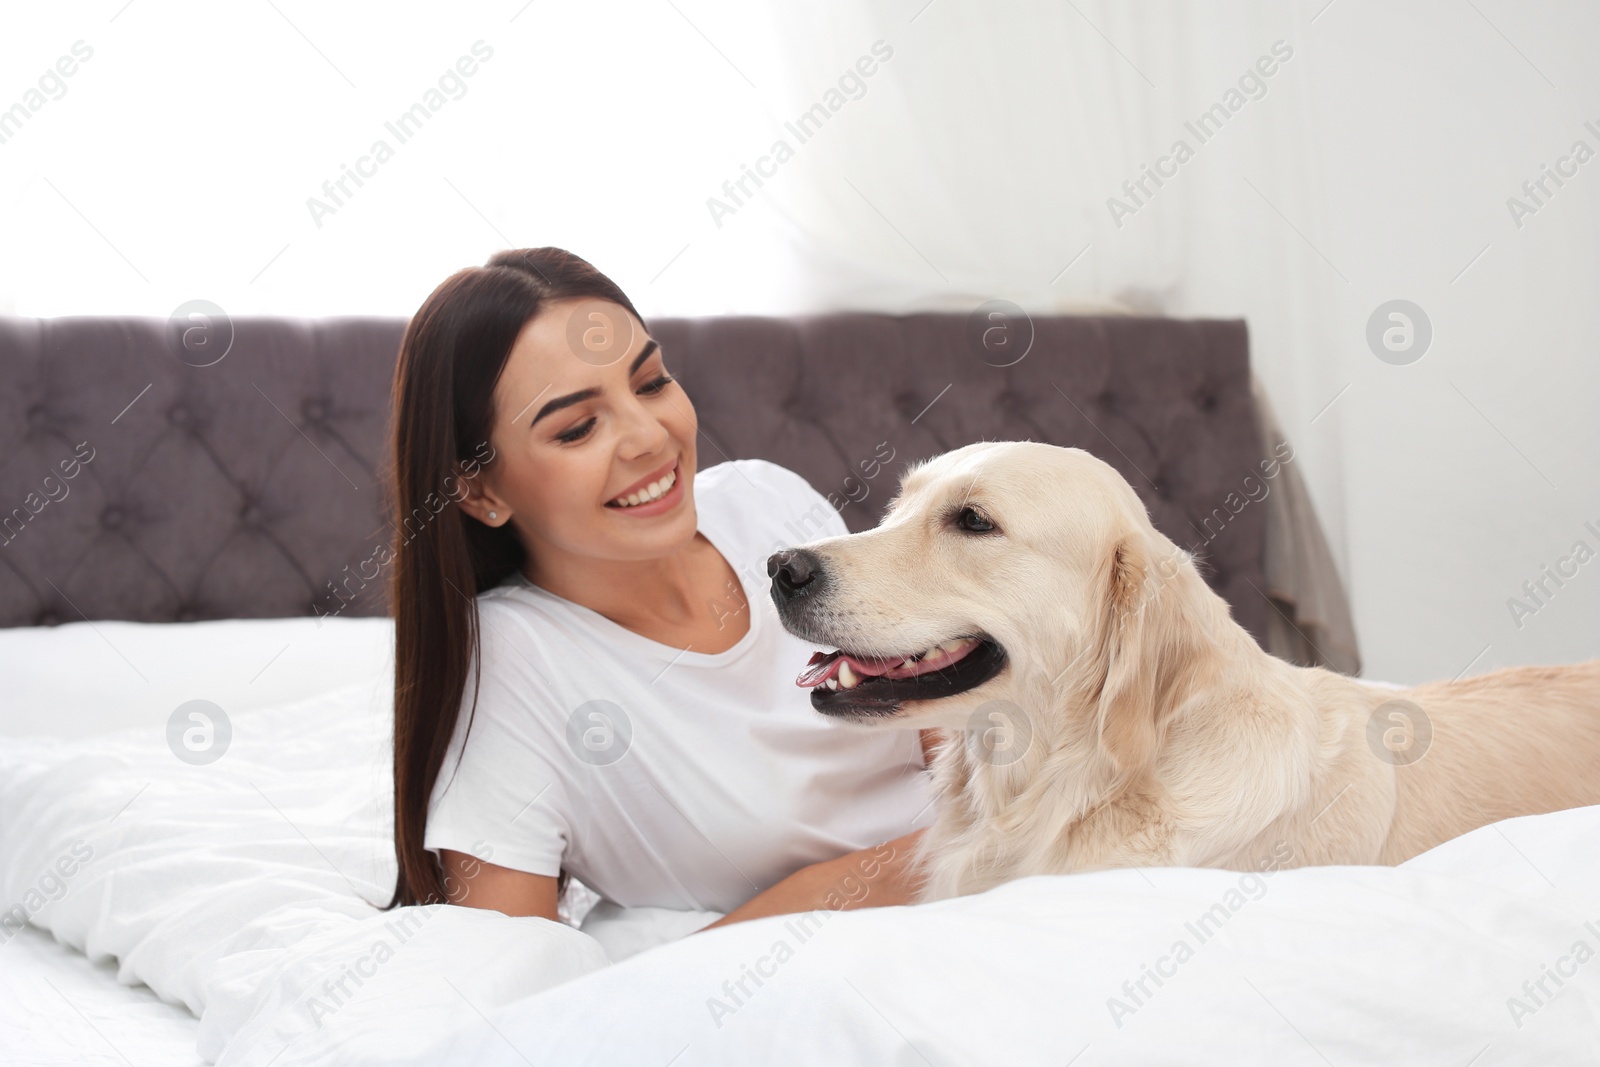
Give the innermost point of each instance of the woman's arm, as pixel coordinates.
(869, 878)
(875, 877)
(474, 883)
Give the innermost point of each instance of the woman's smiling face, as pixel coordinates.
(583, 410)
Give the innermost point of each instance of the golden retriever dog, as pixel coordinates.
(1099, 707)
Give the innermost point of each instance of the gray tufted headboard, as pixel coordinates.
(247, 487)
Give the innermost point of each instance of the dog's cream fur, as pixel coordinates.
(1158, 732)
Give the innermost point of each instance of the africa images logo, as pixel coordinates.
(853, 81)
(1251, 85)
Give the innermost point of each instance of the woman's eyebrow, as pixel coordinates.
(584, 394)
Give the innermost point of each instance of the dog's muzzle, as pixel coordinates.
(878, 683)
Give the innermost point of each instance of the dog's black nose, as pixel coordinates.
(791, 571)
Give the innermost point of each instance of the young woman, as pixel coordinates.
(632, 716)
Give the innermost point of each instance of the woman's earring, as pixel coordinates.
(493, 515)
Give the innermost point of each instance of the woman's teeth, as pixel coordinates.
(653, 491)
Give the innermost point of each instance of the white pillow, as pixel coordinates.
(85, 678)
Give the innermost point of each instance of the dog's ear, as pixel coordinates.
(1154, 646)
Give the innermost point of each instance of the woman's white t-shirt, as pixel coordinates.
(666, 777)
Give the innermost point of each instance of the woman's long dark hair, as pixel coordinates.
(452, 354)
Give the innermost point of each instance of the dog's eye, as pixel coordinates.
(970, 520)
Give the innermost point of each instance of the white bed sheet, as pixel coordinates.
(299, 694)
(56, 1007)
(1434, 963)
(81, 679)
(235, 892)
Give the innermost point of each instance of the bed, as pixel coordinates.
(171, 910)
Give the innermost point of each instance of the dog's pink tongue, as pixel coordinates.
(825, 665)
(821, 667)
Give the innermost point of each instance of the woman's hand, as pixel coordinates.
(876, 877)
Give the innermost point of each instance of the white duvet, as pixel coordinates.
(240, 889)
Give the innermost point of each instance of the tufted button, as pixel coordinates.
(38, 415)
(187, 614)
(1206, 401)
(112, 517)
(179, 415)
(47, 618)
(1219, 578)
(1010, 401)
(1162, 489)
(1106, 401)
(250, 514)
(314, 410)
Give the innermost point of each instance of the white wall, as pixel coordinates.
(1467, 471)
(975, 163)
